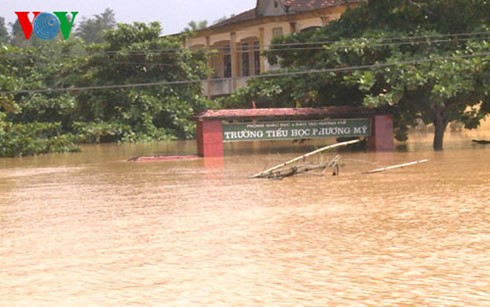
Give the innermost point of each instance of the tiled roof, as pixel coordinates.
(283, 112)
(309, 5)
(248, 15)
(295, 6)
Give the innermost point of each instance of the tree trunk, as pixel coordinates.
(440, 124)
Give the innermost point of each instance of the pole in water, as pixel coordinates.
(388, 168)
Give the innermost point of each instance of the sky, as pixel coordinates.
(172, 15)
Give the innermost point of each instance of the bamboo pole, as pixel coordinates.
(305, 156)
(388, 168)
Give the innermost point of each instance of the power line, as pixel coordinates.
(401, 38)
(300, 48)
(375, 42)
(101, 87)
(374, 66)
(115, 60)
(271, 75)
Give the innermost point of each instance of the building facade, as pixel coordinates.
(237, 43)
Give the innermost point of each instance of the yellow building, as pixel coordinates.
(239, 40)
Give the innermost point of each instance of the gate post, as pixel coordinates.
(209, 138)
(382, 138)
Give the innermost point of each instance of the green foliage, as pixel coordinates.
(128, 88)
(427, 59)
(18, 38)
(221, 19)
(135, 54)
(33, 138)
(282, 92)
(92, 30)
(43, 68)
(194, 26)
(4, 34)
(100, 132)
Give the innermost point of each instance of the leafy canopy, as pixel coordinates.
(132, 86)
(428, 59)
(92, 30)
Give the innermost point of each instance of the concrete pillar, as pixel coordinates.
(262, 46)
(234, 59)
(325, 20)
(210, 138)
(209, 87)
(382, 138)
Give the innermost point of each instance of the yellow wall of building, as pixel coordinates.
(259, 30)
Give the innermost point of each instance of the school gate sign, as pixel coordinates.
(306, 129)
(216, 127)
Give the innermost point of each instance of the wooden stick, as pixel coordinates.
(388, 168)
(483, 142)
(304, 156)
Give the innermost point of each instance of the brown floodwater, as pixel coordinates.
(92, 229)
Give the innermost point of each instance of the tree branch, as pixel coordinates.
(420, 6)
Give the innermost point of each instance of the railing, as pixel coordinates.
(220, 87)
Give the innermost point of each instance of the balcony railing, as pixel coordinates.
(220, 87)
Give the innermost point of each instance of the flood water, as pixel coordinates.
(92, 229)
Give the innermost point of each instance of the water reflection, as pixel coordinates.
(91, 228)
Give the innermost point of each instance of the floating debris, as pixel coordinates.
(482, 142)
(277, 172)
(335, 164)
(162, 158)
(389, 168)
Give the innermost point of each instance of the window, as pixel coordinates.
(245, 60)
(276, 32)
(226, 61)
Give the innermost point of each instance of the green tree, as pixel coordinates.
(8, 80)
(427, 59)
(92, 30)
(4, 34)
(136, 54)
(18, 38)
(194, 26)
(32, 117)
(136, 86)
(223, 19)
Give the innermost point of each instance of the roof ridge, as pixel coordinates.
(236, 18)
(295, 7)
